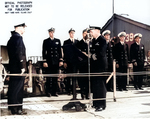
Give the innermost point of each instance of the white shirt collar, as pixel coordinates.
(72, 39)
(84, 40)
(51, 38)
(107, 41)
(122, 42)
(137, 43)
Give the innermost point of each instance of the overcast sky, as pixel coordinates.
(66, 14)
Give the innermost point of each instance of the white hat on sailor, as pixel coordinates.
(106, 32)
(137, 35)
(122, 34)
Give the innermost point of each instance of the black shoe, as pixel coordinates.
(93, 106)
(48, 95)
(125, 89)
(120, 90)
(55, 95)
(110, 89)
(68, 93)
(136, 88)
(99, 109)
(141, 88)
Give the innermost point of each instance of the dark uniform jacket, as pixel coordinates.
(98, 83)
(99, 49)
(17, 61)
(137, 54)
(83, 46)
(121, 54)
(69, 42)
(52, 51)
(16, 52)
(109, 53)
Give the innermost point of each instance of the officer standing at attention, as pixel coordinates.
(98, 64)
(121, 55)
(83, 81)
(70, 68)
(52, 56)
(109, 52)
(137, 55)
(17, 65)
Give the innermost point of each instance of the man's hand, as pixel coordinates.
(117, 65)
(94, 57)
(65, 65)
(85, 53)
(45, 64)
(60, 64)
(135, 63)
(22, 71)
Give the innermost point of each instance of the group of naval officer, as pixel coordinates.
(101, 51)
(98, 63)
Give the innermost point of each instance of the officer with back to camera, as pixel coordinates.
(52, 57)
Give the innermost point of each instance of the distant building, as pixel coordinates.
(131, 27)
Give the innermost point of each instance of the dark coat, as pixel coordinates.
(98, 48)
(110, 54)
(17, 61)
(137, 54)
(66, 42)
(52, 51)
(121, 54)
(17, 53)
(69, 42)
(98, 83)
(83, 46)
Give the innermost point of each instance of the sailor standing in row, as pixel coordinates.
(70, 68)
(109, 52)
(137, 55)
(121, 55)
(83, 81)
(53, 60)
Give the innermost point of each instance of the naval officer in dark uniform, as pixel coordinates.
(52, 57)
(17, 65)
(137, 57)
(98, 65)
(70, 67)
(121, 55)
(109, 53)
(83, 81)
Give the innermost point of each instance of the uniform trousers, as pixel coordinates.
(138, 79)
(98, 84)
(51, 82)
(122, 80)
(15, 92)
(84, 82)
